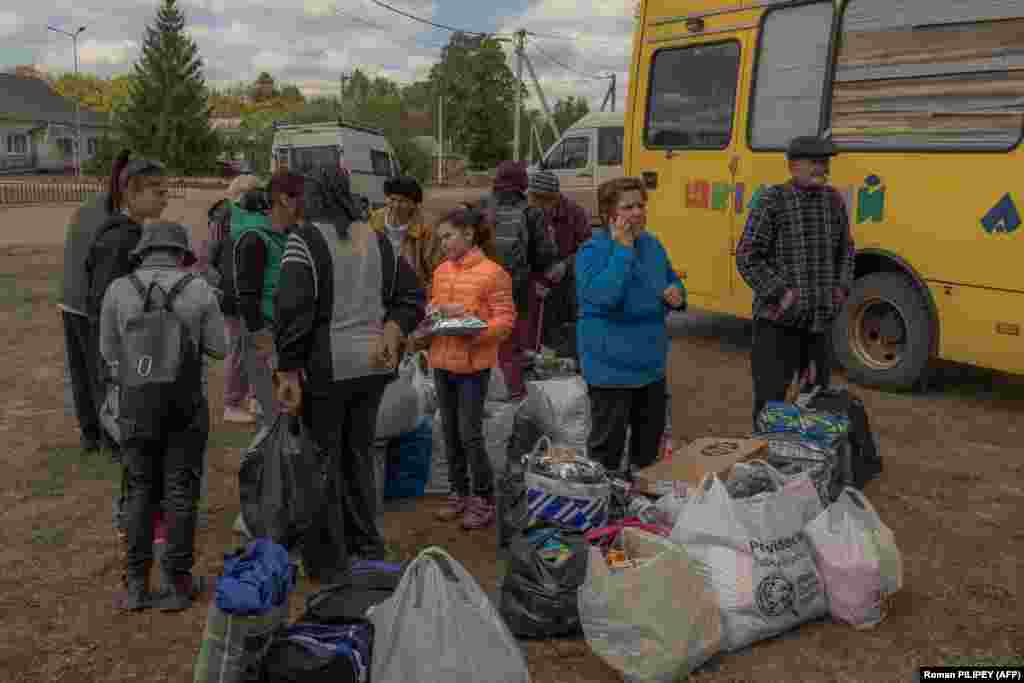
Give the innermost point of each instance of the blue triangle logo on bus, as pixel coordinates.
(1003, 217)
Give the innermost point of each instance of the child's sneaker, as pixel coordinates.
(453, 509)
(480, 513)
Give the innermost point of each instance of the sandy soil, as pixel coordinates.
(952, 492)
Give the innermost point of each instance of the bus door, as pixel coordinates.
(688, 131)
(788, 83)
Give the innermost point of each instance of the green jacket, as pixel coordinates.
(244, 222)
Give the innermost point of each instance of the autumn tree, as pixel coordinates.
(168, 113)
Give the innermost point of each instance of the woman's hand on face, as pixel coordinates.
(673, 296)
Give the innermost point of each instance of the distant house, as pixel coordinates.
(37, 127)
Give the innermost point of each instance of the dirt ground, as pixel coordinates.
(952, 492)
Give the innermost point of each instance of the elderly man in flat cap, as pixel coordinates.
(796, 254)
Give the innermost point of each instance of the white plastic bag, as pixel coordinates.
(858, 559)
(754, 554)
(655, 621)
(561, 407)
(401, 406)
(440, 627)
(422, 381)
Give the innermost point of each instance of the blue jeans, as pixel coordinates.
(461, 399)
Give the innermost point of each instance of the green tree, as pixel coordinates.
(478, 90)
(569, 110)
(167, 115)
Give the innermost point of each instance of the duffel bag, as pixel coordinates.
(320, 653)
(367, 583)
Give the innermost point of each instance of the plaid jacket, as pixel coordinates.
(797, 239)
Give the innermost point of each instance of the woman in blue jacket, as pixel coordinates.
(625, 286)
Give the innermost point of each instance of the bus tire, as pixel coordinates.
(883, 335)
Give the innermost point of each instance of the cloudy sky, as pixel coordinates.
(311, 42)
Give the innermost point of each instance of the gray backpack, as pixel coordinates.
(160, 366)
(512, 243)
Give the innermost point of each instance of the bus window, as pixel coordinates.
(570, 153)
(380, 162)
(692, 97)
(789, 86)
(311, 159)
(609, 146)
(940, 74)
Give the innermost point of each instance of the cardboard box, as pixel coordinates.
(699, 458)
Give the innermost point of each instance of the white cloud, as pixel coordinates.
(599, 46)
(94, 52)
(10, 23)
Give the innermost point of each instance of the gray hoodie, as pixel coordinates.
(196, 305)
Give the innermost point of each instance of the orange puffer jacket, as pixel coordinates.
(485, 290)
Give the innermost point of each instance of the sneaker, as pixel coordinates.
(455, 507)
(136, 596)
(238, 416)
(480, 513)
(179, 592)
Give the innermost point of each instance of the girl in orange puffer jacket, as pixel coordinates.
(468, 283)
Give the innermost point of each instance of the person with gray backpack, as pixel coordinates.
(524, 247)
(155, 324)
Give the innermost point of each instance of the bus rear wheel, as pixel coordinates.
(883, 335)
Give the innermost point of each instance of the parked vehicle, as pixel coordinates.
(588, 153)
(364, 152)
(929, 133)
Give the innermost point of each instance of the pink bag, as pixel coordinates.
(605, 537)
(858, 559)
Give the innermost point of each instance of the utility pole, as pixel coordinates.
(614, 92)
(78, 106)
(540, 96)
(520, 43)
(345, 76)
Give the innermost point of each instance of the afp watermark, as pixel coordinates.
(971, 673)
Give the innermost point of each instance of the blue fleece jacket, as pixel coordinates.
(621, 333)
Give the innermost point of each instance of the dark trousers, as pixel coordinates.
(167, 468)
(614, 409)
(778, 353)
(461, 400)
(81, 339)
(342, 418)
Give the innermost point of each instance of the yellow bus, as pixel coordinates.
(925, 101)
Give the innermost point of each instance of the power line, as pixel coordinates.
(569, 68)
(428, 22)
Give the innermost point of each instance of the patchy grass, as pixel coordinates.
(49, 537)
(23, 296)
(230, 438)
(985, 660)
(68, 462)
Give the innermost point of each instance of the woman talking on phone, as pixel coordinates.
(625, 286)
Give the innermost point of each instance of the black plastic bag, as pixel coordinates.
(281, 482)
(547, 565)
(512, 513)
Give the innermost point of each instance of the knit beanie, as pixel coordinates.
(511, 176)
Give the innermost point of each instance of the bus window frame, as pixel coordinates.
(826, 110)
(735, 101)
(830, 67)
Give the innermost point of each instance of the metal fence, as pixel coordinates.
(77, 191)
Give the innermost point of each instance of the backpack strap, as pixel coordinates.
(145, 293)
(177, 289)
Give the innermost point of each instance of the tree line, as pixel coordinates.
(164, 108)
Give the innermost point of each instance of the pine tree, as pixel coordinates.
(167, 116)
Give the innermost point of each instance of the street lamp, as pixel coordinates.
(78, 127)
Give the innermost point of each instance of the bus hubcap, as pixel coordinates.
(878, 335)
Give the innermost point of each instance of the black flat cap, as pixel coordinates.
(810, 147)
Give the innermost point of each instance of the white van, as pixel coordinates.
(588, 153)
(364, 152)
